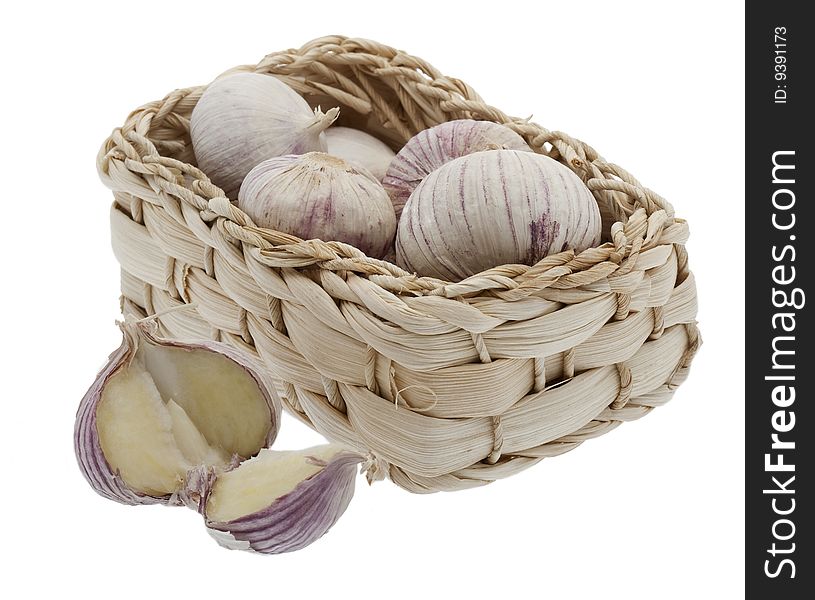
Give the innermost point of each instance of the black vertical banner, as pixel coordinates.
(780, 362)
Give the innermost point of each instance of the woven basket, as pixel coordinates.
(445, 385)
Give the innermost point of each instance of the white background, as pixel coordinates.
(652, 510)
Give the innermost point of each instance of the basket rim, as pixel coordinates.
(643, 219)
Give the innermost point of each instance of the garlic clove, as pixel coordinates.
(493, 208)
(135, 442)
(359, 149)
(319, 196)
(246, 118)
(156, 427)
(136, 434)
(281, 501)
(431, 148)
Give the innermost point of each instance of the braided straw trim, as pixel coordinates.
(445, 385)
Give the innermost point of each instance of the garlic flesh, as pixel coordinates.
(190, 424)
(318, 196)
(159, 409)
(493, 208)
(431, 148)
(360, 149)
(281, 501)
(243, 119)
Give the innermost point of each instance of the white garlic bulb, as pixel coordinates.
(360, 149)
(246, 118)
(318, 196)
(429, 149)
(493, 208)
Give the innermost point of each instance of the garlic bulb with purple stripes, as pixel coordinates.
(319, 196)
(493, 208)
(431, 148)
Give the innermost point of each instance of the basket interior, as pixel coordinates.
(393, 96)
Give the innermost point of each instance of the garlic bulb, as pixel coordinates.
(493, 208)
(429, 149)
(320, 196)
(246, 118)
(281, 501)
(360, 149)
(159, 409)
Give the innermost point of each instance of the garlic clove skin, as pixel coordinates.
(430, 149)
(493, 208)
(135, 443)
(280, 501)
(243, 119)
(359, 149)
(318, 196)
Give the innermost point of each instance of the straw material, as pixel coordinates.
(444, 385)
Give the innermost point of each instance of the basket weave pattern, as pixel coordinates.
(445, 385)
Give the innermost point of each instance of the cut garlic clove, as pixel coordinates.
(159, 409)
(176, 424)
(431, 148)
(135, 432)
(89, 454)
(281, 501)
